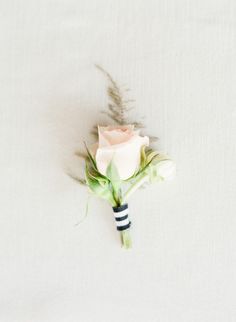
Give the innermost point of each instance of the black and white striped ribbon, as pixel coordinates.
(121, 215)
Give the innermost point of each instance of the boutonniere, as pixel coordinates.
(122, 161)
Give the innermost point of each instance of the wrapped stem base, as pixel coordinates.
(121, 214)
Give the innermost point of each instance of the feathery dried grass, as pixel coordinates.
(118, 105)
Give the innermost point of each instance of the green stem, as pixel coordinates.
(125, 234)
(117, 197)
(142, 179)
(126, 239)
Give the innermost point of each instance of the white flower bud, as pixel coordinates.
(166, 169)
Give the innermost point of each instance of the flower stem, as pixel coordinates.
(125, 234)
(126, 239)
(142, 179)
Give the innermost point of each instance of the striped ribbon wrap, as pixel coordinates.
(121, 215)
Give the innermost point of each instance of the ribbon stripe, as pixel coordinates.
(120, 208)
(121, 215)
(122, 223)
(121, 218)
(123, 228)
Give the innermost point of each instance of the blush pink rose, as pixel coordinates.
(122, 144)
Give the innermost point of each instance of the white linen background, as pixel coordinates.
(178, 57)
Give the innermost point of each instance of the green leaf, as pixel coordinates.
(151, 155)
(113, 175)
(95, 174)
(143, 156)
(112, 172)
(149, 158)
(101, 190)
(158, 158)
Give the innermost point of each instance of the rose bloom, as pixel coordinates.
(122, 145)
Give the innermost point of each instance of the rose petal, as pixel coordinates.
(112, 135)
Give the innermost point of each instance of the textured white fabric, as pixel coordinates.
(178, 57)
